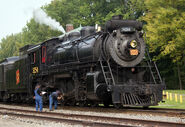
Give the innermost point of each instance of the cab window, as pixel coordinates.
(33, 58)
(43, 54)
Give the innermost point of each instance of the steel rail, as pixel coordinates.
(88, 119)
(153, 111)
(62, 120)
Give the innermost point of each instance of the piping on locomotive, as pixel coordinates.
(111, 66)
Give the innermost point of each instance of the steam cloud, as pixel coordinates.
(41, 17)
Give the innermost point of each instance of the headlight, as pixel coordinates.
(133, 44)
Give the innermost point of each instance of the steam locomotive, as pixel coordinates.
(90, 67)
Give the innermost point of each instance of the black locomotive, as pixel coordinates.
(109, 66)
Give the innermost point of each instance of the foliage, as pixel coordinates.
(166, 37)
(165, 28)
(78, 12)
(35, 33)
(90, 12)
(7, 45)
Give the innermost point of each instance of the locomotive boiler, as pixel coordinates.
(111, 66)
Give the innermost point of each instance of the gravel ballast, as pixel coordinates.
(10, 121)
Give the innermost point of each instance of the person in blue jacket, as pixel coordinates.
(53, 98)
(38, 98)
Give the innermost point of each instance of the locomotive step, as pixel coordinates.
(109, 78)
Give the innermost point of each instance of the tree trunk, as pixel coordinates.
(179, 76)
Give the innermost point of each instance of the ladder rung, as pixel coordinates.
(154, 72)
(105, 66)
(109, 78)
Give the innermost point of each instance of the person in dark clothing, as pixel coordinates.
(53, 98)
(38, 98)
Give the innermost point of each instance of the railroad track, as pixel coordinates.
(85, 120)
(153, 111)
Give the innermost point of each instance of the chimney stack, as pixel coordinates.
(69, 27)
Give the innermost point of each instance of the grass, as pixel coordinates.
(172, 103)
(176, 91)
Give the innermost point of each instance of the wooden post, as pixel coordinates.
(180, 98)
(171, 97)
(175, 97)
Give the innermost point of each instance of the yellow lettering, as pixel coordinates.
(35, 70)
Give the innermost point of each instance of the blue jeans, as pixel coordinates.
(38, 102)
(51, 101)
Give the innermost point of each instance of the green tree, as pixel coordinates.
(165, 31)
(34, 33)
(7, 46)
(90, 12)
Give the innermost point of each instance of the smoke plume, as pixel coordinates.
(41, 17)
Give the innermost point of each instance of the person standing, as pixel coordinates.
(53, 98)
(38, 98)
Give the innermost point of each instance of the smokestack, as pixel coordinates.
(69, 27)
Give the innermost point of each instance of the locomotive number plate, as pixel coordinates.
(35, 70)
(133, 52)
